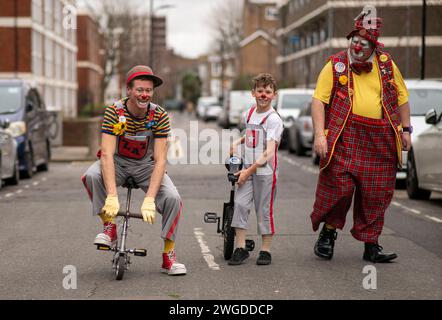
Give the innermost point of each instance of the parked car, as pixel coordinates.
(424, 161)
(203, 103)
(23, 107)
(9, 171)
(237, 102)
(289, 104)
(174, 105)
(424, 95)
(300, 132)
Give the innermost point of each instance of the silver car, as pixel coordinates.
(9, 166)
(424, 95)
(300, 132)
(424, 161)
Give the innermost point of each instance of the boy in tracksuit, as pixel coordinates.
(257, 181)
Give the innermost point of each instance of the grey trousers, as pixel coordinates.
(260, 189)
(168, 202)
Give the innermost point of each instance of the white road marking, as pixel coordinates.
(35, 183)
(44, 179)
(415, 211)
(8, 195)
(303, 167)
(19, 191)
(27, 186)
(210, 259)
(434, 218)
(395, 203)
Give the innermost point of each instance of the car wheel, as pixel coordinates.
(29, 164)
(283, 142)
(316, 159)
(1, 180)
(413, 190)
(16, 177)
(300, 150)
(45, 165)
(290, 143)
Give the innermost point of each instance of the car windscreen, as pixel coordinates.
(421, 100)
(295, 101)
(10, 99)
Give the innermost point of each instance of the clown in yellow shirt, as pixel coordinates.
(361, 118)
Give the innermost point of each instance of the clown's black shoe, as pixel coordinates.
(326, 242)
(373, 253)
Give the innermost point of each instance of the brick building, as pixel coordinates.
(35, 46)
(259, 47)
(311, 31)
(89, 61)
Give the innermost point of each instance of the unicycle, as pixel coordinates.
(121, 258)
(233, 165)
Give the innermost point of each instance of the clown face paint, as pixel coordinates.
(141, 93)
(263, 96)
(360, 49)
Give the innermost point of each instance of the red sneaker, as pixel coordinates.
(109, 235)
(171, 266)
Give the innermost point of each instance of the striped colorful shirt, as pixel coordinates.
(160, 127)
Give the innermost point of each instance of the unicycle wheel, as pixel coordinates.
(229, 234)
(120, 268)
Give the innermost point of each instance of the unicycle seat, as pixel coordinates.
(130, 183)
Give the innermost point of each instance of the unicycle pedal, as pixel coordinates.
(211, 217)
(103, 247)
(140, 252)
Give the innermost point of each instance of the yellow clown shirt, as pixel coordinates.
(367, 99)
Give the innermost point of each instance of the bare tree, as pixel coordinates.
(226, 25)
(122, 26)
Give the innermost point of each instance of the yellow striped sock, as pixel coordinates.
(169, 245)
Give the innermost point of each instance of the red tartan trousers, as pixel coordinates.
(363, 166)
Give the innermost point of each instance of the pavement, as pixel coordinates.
(47, 244)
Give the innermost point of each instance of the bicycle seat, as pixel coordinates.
(130, 183)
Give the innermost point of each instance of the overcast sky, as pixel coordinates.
(188, 33)
(187, 30)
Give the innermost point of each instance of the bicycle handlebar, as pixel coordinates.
(131, 215)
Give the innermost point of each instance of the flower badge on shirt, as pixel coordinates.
(150, 121)
(121, 126)
(343, 80)
(150, 124)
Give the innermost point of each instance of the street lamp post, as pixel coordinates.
(151, 33)
(424, 24)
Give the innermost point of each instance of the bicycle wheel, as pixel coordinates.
(228, 234)
(121, 267)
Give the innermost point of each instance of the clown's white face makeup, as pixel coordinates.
(360, 48)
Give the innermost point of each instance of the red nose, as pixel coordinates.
(144, 96)
(263, 96)
(357, 48)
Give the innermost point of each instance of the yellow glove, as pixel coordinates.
(148, 210)
(111, 206)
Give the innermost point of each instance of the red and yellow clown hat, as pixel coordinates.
(145, 72)
(367, 27)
